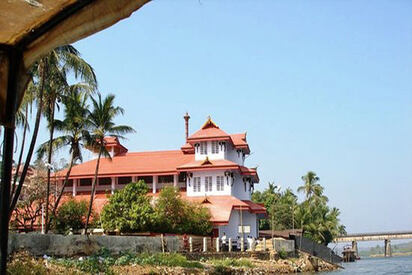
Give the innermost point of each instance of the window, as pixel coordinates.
(219, 183)
(196, 184)
(69, 183)
(85, 182)
(124, 180)
(215, 147)
(105, 181)
(165, 179)
(208, 184)
(203, 148)
(246, 229)
(182, 177)
(146, 179)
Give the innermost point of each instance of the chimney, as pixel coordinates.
(187, 117)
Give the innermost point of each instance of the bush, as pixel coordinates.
(282, 254)
(70, 215)
(176, 215)
(129, 210)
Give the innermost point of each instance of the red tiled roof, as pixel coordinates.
(142, 163)
(208, 131)
(239, 142)
(188, 148)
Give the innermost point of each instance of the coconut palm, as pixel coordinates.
(310, 185)
(63, 60)
(73, 129)
(39, 73)
(101, 124)
(49, 80)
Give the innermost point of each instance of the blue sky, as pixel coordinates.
(318, 85)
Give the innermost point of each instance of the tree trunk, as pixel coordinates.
(33, 140)
(93, 190)
(66, 179)
(49, 160)
(21, 154)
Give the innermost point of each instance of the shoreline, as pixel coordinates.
(116, 265)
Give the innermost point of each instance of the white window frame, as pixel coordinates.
(203, 148)
(246, 229)
(196, 184)
(208, 184)
(215, 147)
(220, 183)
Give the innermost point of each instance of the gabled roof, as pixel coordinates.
(239, 142)
(188, 148)
(209, 131)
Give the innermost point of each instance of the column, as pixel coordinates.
(204, 244)
(75, 187)
(388, 248)
(154, 184)
(113, 186)
(175, 180)
(355, 248)
(134, 178)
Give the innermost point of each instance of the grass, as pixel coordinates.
(103, 261)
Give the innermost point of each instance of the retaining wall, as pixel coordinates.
(70, 245)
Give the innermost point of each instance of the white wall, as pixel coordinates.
(232, 155)
(231, 230)
(219, 155)
(214, 192)
(238, 188)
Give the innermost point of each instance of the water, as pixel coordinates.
(379, 266)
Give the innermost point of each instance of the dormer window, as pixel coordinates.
(215, 147)
(203, 148)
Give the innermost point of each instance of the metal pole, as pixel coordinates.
(42, 218)
(14, 57)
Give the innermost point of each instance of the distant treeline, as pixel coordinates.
(379, 250)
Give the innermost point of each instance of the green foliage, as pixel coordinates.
(179, 216)
(319, 222)
(129, 210)
(71, 214)
(282, 254)
(103, 261)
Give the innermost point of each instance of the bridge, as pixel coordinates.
(376, 236)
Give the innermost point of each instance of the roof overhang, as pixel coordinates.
(30, 29)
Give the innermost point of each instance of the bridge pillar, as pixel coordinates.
(388, 248)
(355, 247)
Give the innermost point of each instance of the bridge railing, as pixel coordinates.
(315, 249)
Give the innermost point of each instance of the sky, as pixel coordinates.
(318, 85)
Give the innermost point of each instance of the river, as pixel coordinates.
(378, 266)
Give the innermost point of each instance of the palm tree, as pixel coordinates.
(310, 185)
(73, 128)
(101, 124)
(62, 61)
(49, 80)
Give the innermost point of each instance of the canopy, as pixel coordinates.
(28, 30)
(34, 27)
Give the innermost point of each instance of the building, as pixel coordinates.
(208, 169)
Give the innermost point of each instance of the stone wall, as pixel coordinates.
(284, 245)
(67, 246)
